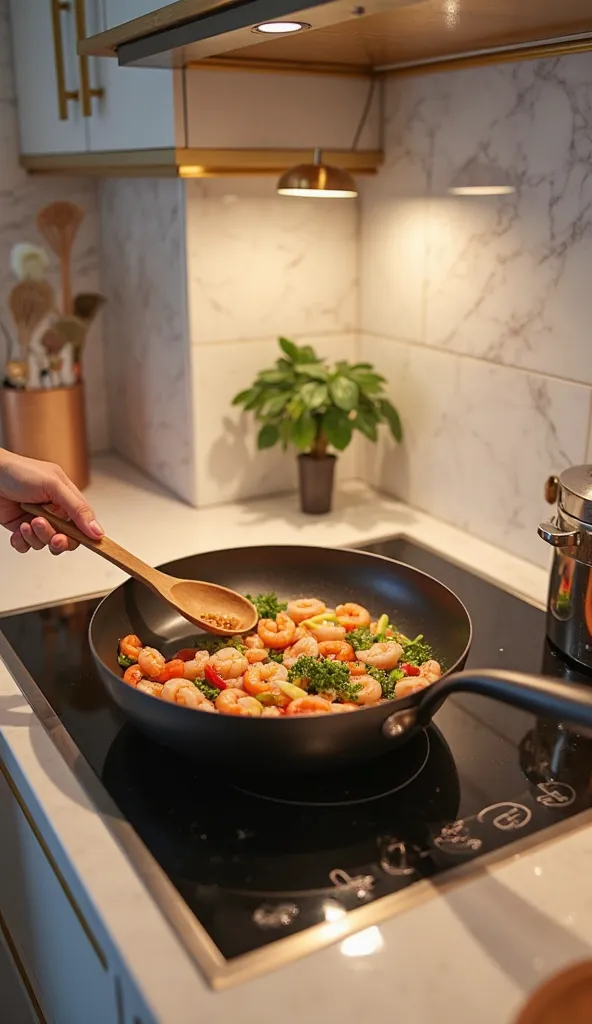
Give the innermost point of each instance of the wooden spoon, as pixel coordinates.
(215, 609)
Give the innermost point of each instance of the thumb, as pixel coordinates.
(64, 494)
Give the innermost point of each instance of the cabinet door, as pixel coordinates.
(62, 961)
(137, 110)
(36, 70)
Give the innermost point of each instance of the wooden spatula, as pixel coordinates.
(209, 606)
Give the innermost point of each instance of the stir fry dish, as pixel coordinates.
(304, 659)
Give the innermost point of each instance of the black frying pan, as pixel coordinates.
(417, 603)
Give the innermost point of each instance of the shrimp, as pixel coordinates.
(356, 668)
(327, 631)
(305, 608)
(151, 662)
(133, 675)
(262, 678)
(301, 632)
(236, 702)
(305, 647)
(339, 709)
(194, 668)
(179, 691)
(430, 671)
(410, 685)
(352, 616)
(256, 656)
(146, 686)
(254, 642)
(371, 691)
(272, 713)
(172, 670)
(230, 664)
(385, 655)
(337, 650)
(130, 646)
(309, 706)
(277, 633)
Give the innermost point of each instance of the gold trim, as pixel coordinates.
(53, 865)
(483, 57)
(199, 163)
(87, 91)
(20, 967)
(279, 67)
(57, 6)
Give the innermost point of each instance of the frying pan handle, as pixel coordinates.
(540, 695)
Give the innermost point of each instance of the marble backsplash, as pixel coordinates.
(478, 310)
(21, 197)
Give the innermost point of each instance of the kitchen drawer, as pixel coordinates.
(63, 962)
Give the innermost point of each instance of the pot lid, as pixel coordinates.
(575, 492)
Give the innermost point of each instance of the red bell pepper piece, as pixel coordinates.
(410, 670)
(213, 678)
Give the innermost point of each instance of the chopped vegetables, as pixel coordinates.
(267, 605)
(415, 652)
(362, 639)
(213, 678)
(325, 677)
(292, 691)
(209, 692)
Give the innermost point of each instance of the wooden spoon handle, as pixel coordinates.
(106, 548)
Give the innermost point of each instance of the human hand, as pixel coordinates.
(43, 483)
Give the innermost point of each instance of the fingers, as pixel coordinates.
(65, 494)
(37, 534)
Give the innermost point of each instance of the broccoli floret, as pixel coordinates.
(211, 692)
(122, 659)
(267, 605)
(212, 644)
(276, 656)
(324, 677)
(387, 680)
(361, 639)
(415, 652)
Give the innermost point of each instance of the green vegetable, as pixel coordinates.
(211, 692)
(387, 680)
(213, 644)
(382, 625)
(415, 652)
(304, 401)
(324, 677)
(317, 620)
(292, 691)
(361, 639)
(277, 656)
(267, 605)
(124, 661)
(269, 699)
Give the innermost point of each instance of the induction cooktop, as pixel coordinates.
(274, 868)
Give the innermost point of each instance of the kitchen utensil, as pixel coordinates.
(569, 532)
(17, 372)
(416, 602)
(48, 424)
(565, 999)
(73, 331)
(30, 302)
(216, 609)
(86, 306)
(59, 224)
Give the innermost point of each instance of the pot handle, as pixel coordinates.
(570, 703)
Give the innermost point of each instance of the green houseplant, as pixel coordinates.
(304, 401)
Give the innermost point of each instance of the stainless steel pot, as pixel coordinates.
(569, 608)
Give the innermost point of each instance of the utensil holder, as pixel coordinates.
(49, 425)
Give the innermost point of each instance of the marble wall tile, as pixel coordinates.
(21, 196)
(262, 265)
(144, 278)
(507, 278)
(480, 440)
(229, 467)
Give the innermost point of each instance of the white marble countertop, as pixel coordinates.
(471, 952)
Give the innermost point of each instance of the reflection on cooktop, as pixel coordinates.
(257, 858)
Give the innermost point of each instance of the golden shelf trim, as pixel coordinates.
(481, 58)
(196, 163)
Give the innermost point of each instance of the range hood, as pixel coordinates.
(341, 36)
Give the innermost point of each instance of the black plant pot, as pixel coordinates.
(316, 483)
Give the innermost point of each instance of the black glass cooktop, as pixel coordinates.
(257, 859)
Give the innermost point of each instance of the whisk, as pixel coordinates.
(59, 223)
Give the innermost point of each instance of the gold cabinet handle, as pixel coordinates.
(57, 6)
(87, 92)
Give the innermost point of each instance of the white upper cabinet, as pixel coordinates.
(68, 104)
(47, 77)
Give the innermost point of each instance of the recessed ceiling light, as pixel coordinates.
(481, 178)
(279, 28)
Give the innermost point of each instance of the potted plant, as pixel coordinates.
(304, 401)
